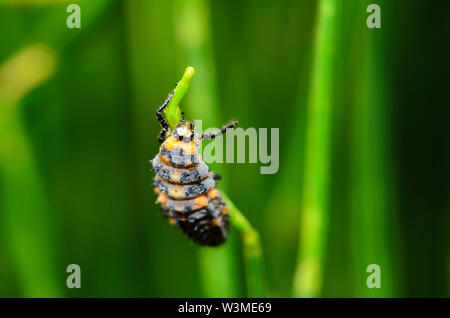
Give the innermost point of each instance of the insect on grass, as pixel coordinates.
(185, 185)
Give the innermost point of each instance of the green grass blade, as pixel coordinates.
(252, 250)
(26, 220)
(314, 214)
(372, 213)
(173, 111)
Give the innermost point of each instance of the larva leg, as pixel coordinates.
(159, 111)
(220, 132)
(161, 135)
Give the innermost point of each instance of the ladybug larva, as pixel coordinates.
(185, 185)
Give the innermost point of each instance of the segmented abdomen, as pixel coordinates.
(188, 197)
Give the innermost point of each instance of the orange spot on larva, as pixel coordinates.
(172, 222)
(157, 191)
(213, 193)
(201, 201)
(225, 210)
(162, 198)
(168, 145)
(216, 222)
(188, 148)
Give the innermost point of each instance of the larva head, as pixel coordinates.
(184, 131)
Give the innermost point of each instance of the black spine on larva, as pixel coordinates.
(208, 226)
(203, 233)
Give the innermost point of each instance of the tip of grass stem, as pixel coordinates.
(173, 111)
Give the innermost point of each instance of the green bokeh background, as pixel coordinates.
(76, 186)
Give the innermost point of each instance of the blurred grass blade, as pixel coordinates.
(27, 69)
(27, 224)
(193, 35)
(314, 214)
(371, 188)
(217, 265)
(252, 250)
